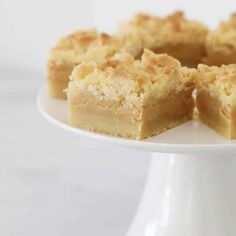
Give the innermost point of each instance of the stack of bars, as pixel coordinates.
(139, 81)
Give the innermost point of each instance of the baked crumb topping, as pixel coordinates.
(224, 37)
(86, 46)
(78, 39)
(124, 78)
(219, 81)
(156, 31)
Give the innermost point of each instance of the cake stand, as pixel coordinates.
(191, 184)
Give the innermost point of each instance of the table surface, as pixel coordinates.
(53, 182)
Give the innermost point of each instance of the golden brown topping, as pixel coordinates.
(176, 18)
(87, 46)
(220, 81)
(123, 78)
(142, 18)
(156, 31)
(108, 63)
(77, 39)
(104, 39)
(162, 60)
(120, 73)
(224, 37)
(84, 69)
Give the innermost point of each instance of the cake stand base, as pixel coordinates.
(187, 195)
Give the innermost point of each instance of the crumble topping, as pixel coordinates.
(224, 37)
(77, 40)
(219, 81)
(123, 78)
(84, 46)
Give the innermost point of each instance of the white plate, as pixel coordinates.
(191, 137)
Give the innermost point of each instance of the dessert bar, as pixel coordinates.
(131, 98)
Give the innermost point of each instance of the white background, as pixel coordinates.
(52, 182)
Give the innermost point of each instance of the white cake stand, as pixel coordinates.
(191, 184)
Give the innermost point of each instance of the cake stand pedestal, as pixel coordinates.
(191, 184)
(188, 195)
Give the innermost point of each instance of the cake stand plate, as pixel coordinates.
(191, 184)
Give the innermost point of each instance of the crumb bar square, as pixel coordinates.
(216, 98)
(131, 98)
(175, 35)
